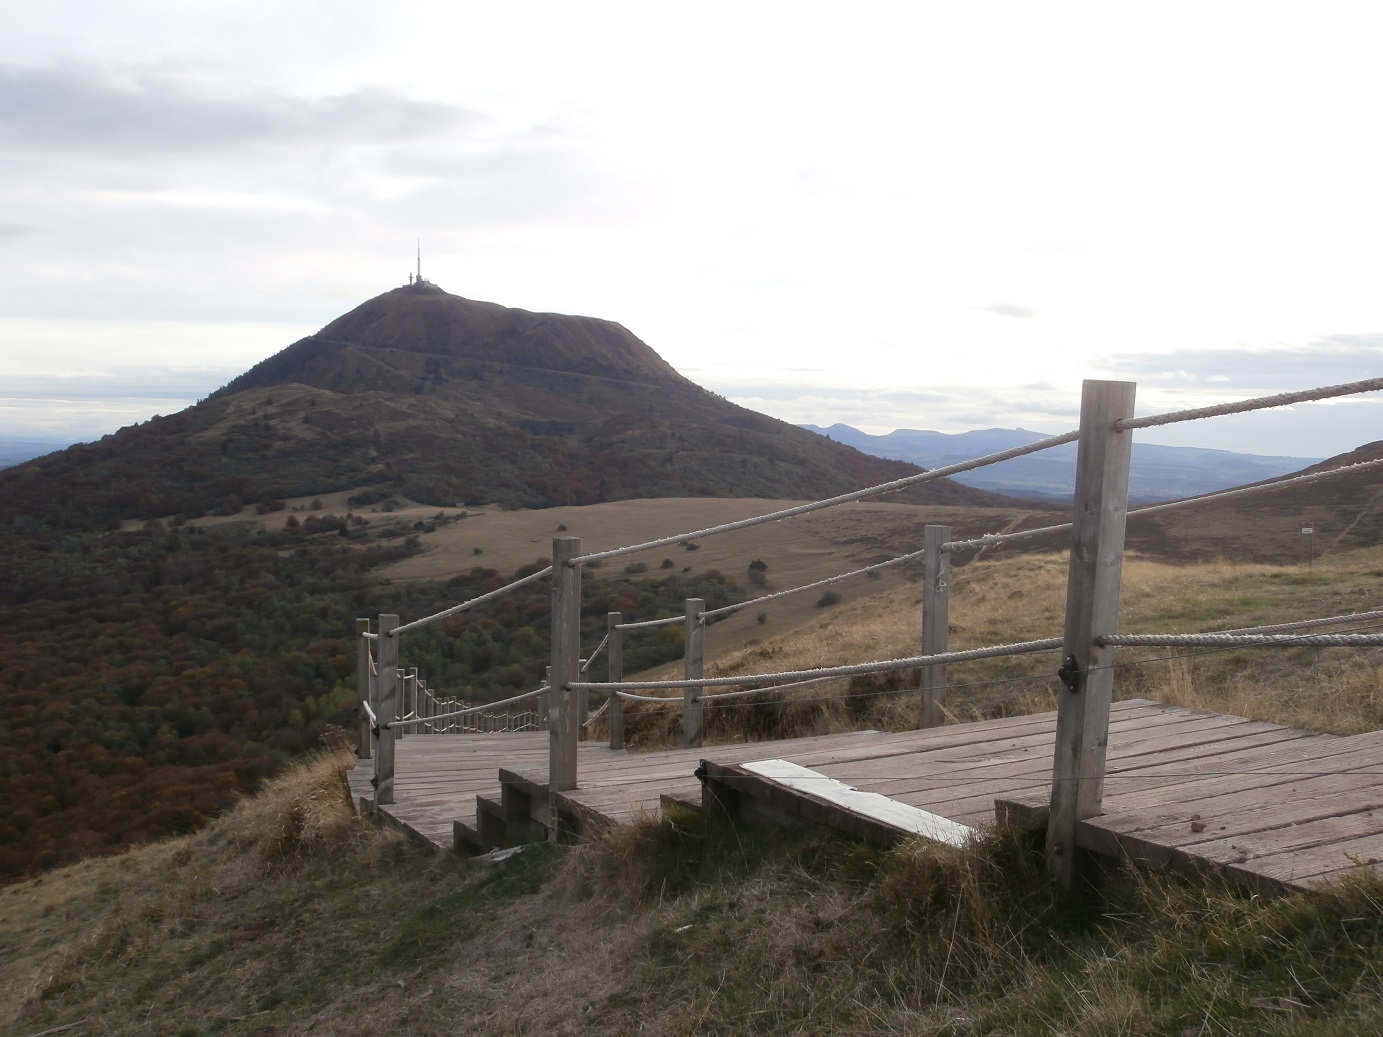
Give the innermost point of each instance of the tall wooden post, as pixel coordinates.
(387, 681)
(566, 650)
(365, 750)
(693, 667)
(936, 619)
(1092, 609)
(615, 656)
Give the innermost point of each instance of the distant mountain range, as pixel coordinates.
(18, 449)
(1158, 473)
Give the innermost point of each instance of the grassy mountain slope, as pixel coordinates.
(290, 916)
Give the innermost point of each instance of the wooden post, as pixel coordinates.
(936, 619)
(387, 680)
(693, 667)
(566, 651)
(615, 657)
(365, 750)
(1092, 609)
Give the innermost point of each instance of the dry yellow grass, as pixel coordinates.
(997, 601)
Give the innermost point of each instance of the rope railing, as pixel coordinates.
(728, 694)
(586, 664)
(1103, 462)
(1306, 624)
(1258, 403)
(993, 539)
(468, 711)
(725, 610)
(597, 714)
(1246, 640)
(645, 624)
(1296, 480)
(446, 613)
(844, 498)
(854, 669)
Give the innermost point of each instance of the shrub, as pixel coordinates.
(829, 598)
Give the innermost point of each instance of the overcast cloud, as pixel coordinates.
(903, 215)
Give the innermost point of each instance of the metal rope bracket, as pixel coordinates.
(1069, 673)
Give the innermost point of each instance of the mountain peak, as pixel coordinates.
(422, 318)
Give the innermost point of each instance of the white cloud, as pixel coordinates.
(816, 209)
(71, 107)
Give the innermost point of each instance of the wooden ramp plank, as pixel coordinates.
(906, 819)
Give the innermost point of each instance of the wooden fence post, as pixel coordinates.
(566, 650)
(615, 658)
(693, 667)
(365, 750)
(1092, 609)
(936, 619)
(387, 696)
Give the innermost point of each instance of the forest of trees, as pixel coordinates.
(152, 676)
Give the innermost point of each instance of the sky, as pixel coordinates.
(893, 215)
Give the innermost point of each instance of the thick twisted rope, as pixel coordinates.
(884, 666)
(1296, 480)
(1252, 640)
(586, 663)
(597, 714)
(629, 696)
(646, 623)
(1258, 403)
(727, 609)
(1305, 624)
(534, 578)
(844, 498)
(992, 539)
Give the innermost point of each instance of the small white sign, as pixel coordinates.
(1308, 529)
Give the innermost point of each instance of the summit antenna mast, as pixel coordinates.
(420, 259)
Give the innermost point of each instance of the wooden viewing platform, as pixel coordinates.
(1203, 793)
